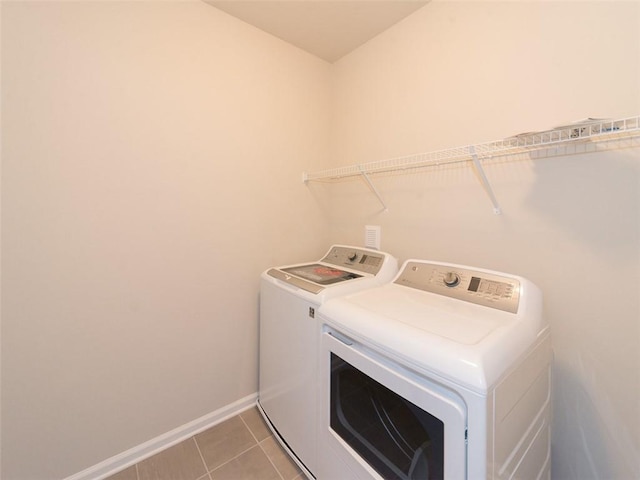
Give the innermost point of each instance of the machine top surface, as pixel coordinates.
(341, 264)
(466, 323)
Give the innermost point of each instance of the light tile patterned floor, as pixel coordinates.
(241, 448)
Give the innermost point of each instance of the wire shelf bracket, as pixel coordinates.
(482, 177)
(373, 188)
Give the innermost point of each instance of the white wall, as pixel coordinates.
(458, 73)
(152, 155)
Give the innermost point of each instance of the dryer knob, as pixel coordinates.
(352, 257)
(451, 279)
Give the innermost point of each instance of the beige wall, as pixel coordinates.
(464, 72)
(152, 156)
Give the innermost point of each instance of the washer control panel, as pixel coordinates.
(356, 259)
(475, 286)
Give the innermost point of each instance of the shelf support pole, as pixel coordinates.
(483, 179)
(372, 187)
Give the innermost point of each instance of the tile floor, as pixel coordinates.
(241, 448)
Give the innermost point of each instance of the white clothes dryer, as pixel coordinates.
(290, 336)
(443, 373)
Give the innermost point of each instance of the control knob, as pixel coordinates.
(451, 279)
(352, 257)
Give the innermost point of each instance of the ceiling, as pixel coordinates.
(328, 29)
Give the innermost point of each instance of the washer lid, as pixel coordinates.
(337, 268)
(321, 274)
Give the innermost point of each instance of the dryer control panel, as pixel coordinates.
(357, 259)
(455, 281)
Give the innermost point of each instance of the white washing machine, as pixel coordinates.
(290, 336)
(443, 373)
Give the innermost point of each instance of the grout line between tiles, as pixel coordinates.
(269, 458)
(205, 476)
(230, 460)
(208, 473)
(248, 428)
(261, 448)
(206, 467)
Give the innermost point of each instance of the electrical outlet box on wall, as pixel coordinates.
(372, 236)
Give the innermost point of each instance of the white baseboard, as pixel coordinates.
(136, 454)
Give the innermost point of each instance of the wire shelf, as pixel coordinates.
(587, 131)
